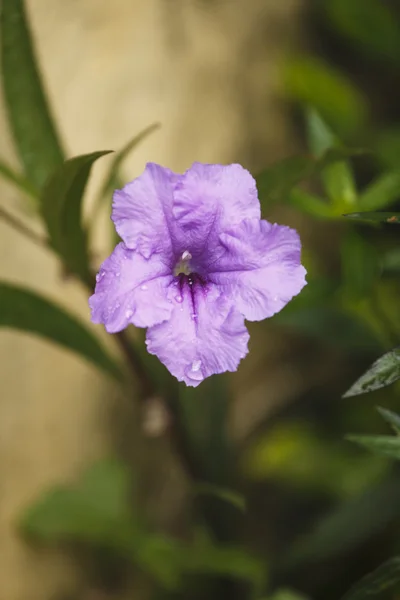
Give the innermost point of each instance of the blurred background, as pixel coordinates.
(249, 81)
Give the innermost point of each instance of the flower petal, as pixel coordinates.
(211, 198)
(131, 289)
(194, 346)
(142, 211)
(260, 269)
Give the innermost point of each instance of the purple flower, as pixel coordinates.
(195, 261)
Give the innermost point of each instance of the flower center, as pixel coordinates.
(183, 265)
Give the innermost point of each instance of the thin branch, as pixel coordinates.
(16, 224)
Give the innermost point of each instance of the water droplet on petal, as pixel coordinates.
(99, 276)
(178, 298)
(275, 298)
(117, 274)
(128, 313)
(194, 316)
(196, 364)
(195, 371)
(117, 304)
(143, 287)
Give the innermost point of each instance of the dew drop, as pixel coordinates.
(128, 313)
(99, 276)
(196, 364)
(143, 287)
(178, 298)
(194, 316)
(275, 298)
(117, 274)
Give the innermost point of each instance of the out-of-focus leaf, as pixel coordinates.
(309, 204)
(383, 372)
(360, 265)
(392, 418)
(315, 83)
(62, 211)
(88, 511)
(224, 494)
(286, 594)
(375, 217)
(384, 445)
(348, 527)
(34, 132)
(380, 193)
(231, 561)
(332, 326)
(24, 310)
(386, 146)
(374, 584)
(337, 177)
(390, 261)
(111, 177)
(275, 182)
(370, 24)
(292, 453)
(18, 180)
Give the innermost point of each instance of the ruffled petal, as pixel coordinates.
(195, 345)
(211, 198)
(260, 269)
(142, 211)
(131, 289)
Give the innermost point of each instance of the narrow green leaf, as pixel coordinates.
(390, 261)
(375, 217)
(111, 178)
(287, 594)
(337, 176)
(313, 82)
(62, 211)
(392, 418)
(360, 265)
(275, 182)
(31, 123)
(384, 445)
(383, 372)
(225, 494)
(370, 24)
(18, 180)
(347, 527)
(231, 561)
(383, 578)
(310, 204)
(380, 193)
(27, 311)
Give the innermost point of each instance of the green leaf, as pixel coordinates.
(392, 418)
(380, 193)
(309, 204)
(18, 180)
(27, 311)
(31, 123)
(275, 182)
(332, 327)
(390, 261)
(360, 265)
(337, 177)
(385, 445)
(347, 527)
(88, 511)
(383, 578)
(375, 217)
(313, 82)
(224, 494)
(286, 594)
(383, 372)
(111, 178)
(370, 24)
(231, 561)
(62, 211)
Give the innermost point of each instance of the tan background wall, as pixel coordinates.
(208, 71)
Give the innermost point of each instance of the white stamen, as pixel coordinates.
(186, 255)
